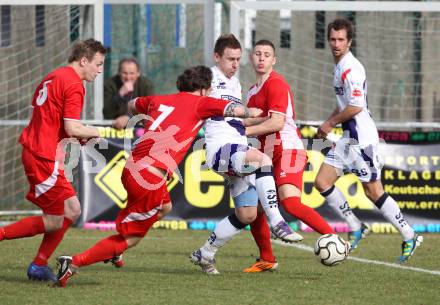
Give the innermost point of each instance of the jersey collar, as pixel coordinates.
(344, 59)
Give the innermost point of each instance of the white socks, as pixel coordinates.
(339, 204)
(267, 194)
(391, 211)
(225, 230)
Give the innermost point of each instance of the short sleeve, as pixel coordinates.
(73, 101)
(354, 84)
(142, 104)
(208, 107)
(277, 96)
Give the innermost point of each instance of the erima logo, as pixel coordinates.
(283, 174)
(221, 85)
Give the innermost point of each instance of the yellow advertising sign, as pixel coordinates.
(109, 179)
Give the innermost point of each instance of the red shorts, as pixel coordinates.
(49, 188)
(288, 167)
(143, 202)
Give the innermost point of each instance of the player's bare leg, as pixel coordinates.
(166, 208)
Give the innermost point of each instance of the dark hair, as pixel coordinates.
(87, 48)
(130, 60)
(226, 41)
(194, 78)
(265, 42)
(341, 24)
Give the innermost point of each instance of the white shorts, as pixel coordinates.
(364, 162)
(229, 161)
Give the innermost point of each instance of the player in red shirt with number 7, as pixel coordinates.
(172, 122)
(57, 105)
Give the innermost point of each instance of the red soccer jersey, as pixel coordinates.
(59, 97)
(274, 95)
(172, 124)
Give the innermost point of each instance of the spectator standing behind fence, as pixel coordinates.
(121, 88)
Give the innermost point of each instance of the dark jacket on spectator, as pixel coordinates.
(116, 105)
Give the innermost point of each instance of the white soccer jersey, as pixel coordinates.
(218, 130)
(350, 83)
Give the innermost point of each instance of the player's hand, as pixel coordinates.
(254, 112)
(324, 129)
(121, 122)
(90, 141)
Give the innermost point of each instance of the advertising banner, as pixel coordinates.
(411, 175)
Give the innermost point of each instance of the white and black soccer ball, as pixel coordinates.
(331, 249)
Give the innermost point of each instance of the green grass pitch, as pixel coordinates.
(158, 271)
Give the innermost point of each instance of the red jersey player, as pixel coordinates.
(172, 122)
(57, 105)
(280, 139)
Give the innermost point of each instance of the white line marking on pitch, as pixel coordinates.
(361, 260)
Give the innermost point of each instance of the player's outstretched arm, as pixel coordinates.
(131, 107)
(254, 121)
(76, 129)
(240, 111)
(273, 124)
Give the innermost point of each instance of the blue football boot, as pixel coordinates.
(355, 236)
(40, 273)
(409, 246)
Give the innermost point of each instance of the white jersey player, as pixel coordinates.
(350, 84)
(247, 170)
(357, 151)
(359, 132)
(220, 131)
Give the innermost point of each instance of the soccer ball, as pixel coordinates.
(331, 249)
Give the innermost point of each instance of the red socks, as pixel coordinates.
(50, 243)
(26, 227)
(104, 249)
(260, 232)
(306, 214)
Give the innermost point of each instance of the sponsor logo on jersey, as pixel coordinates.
(221, 85)
(230, 98)
(356, 93)
(339, 90)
